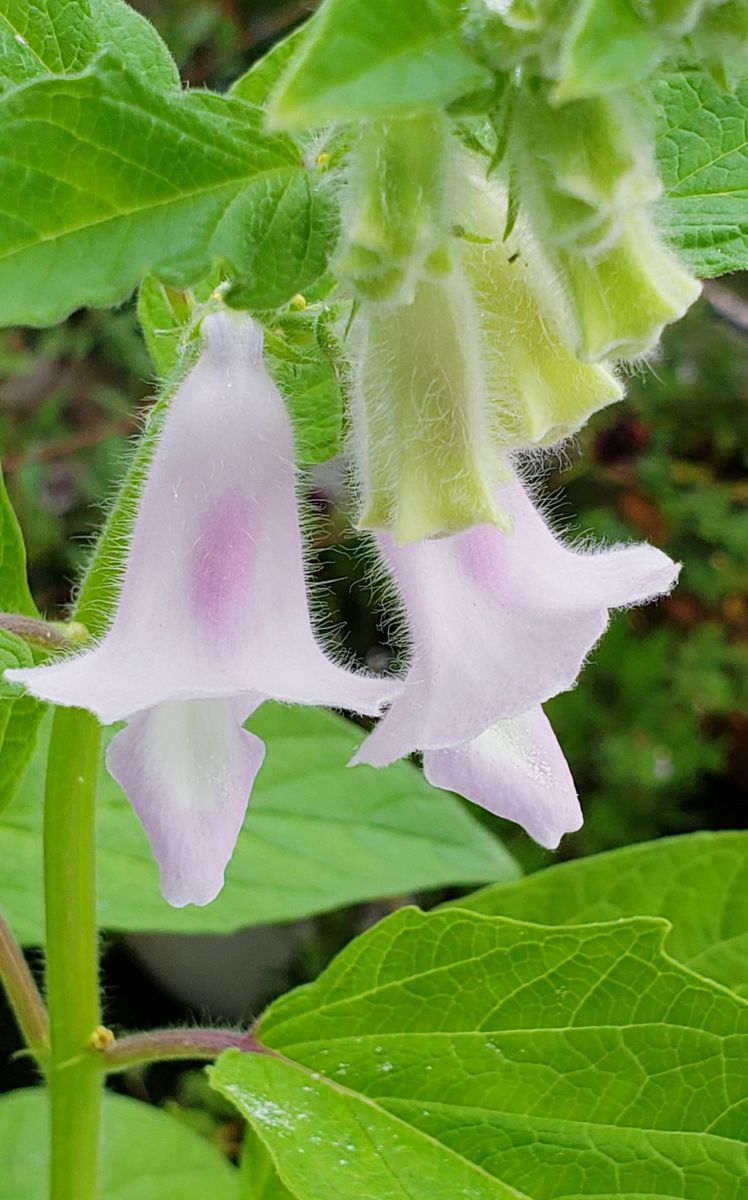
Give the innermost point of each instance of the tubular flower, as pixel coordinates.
(212, 618)
(499, 624)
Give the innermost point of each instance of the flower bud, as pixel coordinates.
(581, 167)
(537, 391)
(394, 225)
(586, 175)
(622, 299)
(426, 464)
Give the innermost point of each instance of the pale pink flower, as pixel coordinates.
(212, 618)
(499, 624)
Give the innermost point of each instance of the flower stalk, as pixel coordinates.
(23, 994)
(169, 1045)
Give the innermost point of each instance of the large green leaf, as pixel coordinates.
(371, 60)
(146, 1154)
(317, 836)
(702, 150)
(454, 1055)
(105, 178)
(699, 882)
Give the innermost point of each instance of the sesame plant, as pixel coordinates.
(426, 240)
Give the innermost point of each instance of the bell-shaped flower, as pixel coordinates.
(212, 617)
(499, 624)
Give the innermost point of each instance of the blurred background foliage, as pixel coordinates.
(656, 731)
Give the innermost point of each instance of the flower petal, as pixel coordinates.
(500, 623)
(188, 769)
(517, 770)
(214, 597)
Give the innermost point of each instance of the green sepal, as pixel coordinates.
(606, 46)
(360, 61)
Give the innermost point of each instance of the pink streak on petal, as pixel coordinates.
(516, 769)
(214, 597)
(500, 623)
(188, 770)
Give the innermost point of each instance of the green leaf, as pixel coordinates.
(14, 652)
(257, 83)
(146, 1154)
(454, 1055)
(20, 715)
(53, 38)
(137, 43)
(698, 881)
(20, 719)
(387, 59)
(106, 178)
(317, 836)
(43, 37)
(164, 313)
(259, 1179)
(301, 353)
(15, 596)
(702, 151)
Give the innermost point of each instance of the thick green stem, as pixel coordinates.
(75, 1075)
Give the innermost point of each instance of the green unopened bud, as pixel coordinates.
(581, 167)
(425, 458)
(622, 300)
(394, 223)
(720, 41)
(673, 17)
(512, 33)
(538, 391)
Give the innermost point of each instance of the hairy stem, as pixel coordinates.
(23, 994)
(74, 1075)
(160, 1045)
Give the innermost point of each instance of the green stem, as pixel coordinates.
(23, 994)
(75, 1075)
